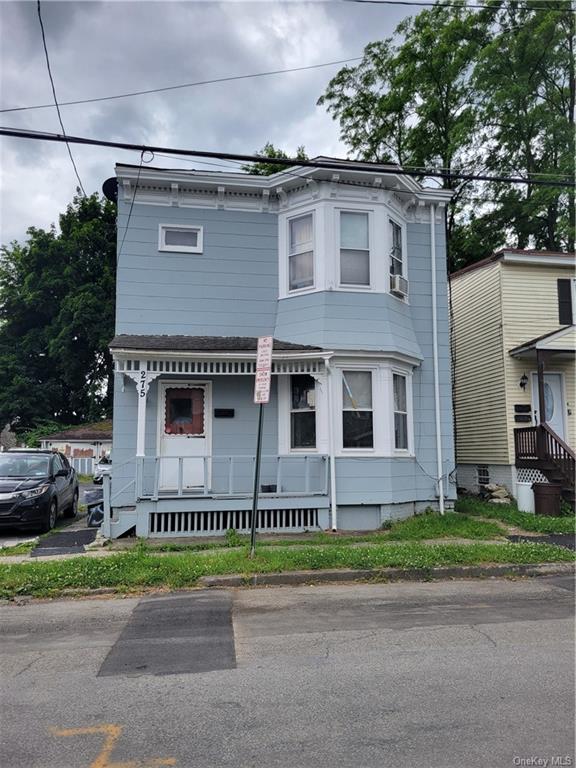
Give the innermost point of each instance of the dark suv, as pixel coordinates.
(35, 488)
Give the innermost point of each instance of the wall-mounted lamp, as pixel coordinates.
(523, 381)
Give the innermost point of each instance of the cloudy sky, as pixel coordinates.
(105, 48)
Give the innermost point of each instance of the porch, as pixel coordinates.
(293, 497)
(542, 449)
(195, 436)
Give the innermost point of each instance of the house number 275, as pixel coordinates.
(142, 384)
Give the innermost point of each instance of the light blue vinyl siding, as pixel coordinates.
(232, 289)
(228, 290)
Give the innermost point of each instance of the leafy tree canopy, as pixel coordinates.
(491, 91)
(57, 301)
(267, 169)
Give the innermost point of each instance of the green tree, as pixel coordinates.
(524, 77)
(267, 169)
(57, 300)
(460, 89)
(410, 100)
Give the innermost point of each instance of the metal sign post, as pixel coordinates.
(261, 396)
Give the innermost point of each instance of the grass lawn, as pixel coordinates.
(511, 514)
(139, 568)
(17, 549)
(427, 526)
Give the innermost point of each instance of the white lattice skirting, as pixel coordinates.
(527, 475)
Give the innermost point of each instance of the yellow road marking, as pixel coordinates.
(111, 735)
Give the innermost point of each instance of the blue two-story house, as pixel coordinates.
(345, 267)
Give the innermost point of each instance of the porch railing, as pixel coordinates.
(229, 476)
(541, 448)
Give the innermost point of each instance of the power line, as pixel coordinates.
(332, 165)
(54, 94)
(462, 6)
(183, 85)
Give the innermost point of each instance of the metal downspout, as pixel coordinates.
(439, 461)
(331, 456)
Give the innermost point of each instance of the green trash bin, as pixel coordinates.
(547, 498)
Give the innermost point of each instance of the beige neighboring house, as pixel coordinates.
(514, 338)
(86, 441)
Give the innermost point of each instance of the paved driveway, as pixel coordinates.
(442, 675)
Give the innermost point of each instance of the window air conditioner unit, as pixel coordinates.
(398, 285)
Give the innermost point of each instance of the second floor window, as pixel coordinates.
(182, 238)
(354, 249)
(396, 255)
(357, 421)
(301, 252)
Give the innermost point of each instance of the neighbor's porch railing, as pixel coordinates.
(228, 476)
(540, 447)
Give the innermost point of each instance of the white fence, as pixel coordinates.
(84, 466)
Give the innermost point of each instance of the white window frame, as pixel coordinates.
(289, 219)
(284, 421)
(303, 449)
(382, 408)
(370, 215)
(408, 412)
(350, 450)
(162, 246)
(389, 246)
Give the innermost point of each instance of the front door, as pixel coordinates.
(553, 399)
(184, 435)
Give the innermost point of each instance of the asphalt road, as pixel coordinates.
(437, 675)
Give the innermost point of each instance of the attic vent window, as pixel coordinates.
(183, 238)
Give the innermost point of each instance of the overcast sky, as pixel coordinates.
(105, 48)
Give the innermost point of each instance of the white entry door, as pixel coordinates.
(184, 434)
(553, 399)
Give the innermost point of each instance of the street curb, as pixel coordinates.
(294, 578)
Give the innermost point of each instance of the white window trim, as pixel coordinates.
(371, 239)
(389, 246)
(326, 241)
(410, 412)
(198, 248)
(306, 288)
(382, 408)
(284, 426)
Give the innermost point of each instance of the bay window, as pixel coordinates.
(400, 413)
(302, 412)
(396, 251)
(301, 252)
(354, 249)
(357, 414)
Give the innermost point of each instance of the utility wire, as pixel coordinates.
(332, 165)
(54, 94)
(184, 85)
(463, 6)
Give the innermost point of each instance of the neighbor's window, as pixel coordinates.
(483, 474)
(396, 255)
(354, 249)
(400, 413)
(182, 238)
(357, 422)
(301, 252)
(302, 412)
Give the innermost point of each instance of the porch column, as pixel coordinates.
(142, 378)
(540, 436)
(540, 358)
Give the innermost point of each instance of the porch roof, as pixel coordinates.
(200, 344)
(561, 341)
